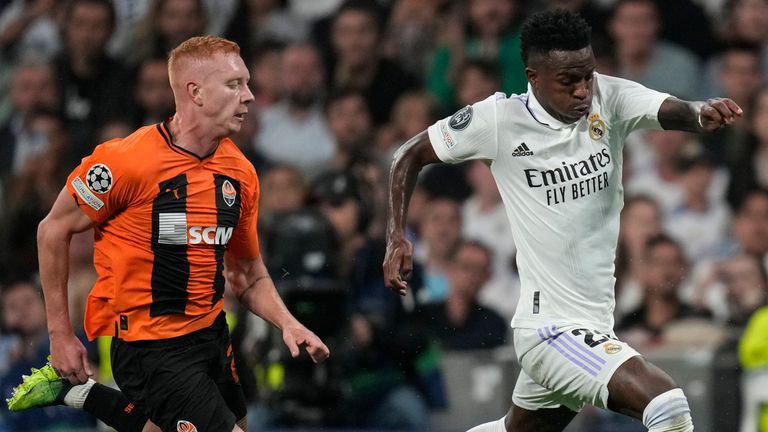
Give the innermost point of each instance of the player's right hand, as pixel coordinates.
(70, 359)
(398, 264)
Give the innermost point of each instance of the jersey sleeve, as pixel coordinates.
(633, 105)
(471, 133)
(102, 185)
(245, 240)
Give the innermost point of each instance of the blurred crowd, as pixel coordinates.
(339, 85)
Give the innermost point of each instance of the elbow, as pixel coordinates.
(412, 152)
(43, 231)
(47, 233)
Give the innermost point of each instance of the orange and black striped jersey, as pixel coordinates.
(164, 218)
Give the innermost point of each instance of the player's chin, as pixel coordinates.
(235, 126)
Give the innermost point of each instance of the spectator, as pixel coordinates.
(750, 238)
(750, 225)
(349, 122)
(28, 27)
(440, 232)
(357, 38)
(258, 21)
(656, 172)
(93, 85)
(695, 32)
(129, 16)
(748, 162)
(476, 80)
(642, 57)
(411, 32)
(699, 222)
(459, 322)
(339, 196)
(283, 190)
(266, 75)
(152, 93)
(413, 112)
(168, 23)
(24, 315)
(739, 76)
(641, 220)
(745, 286)
(294, 130)
(488, 33)
(33, 89)
(665, 269)
(746, 20)
(485, 220)
(34, 189)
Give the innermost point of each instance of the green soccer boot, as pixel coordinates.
(43, 387)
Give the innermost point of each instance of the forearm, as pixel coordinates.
(53, 253)
(261, 298)
(402, 181)
(677, 114)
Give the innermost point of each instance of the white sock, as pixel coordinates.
(494, 426)
(75, 397)
(668, 412)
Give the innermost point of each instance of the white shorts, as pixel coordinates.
(566, 366)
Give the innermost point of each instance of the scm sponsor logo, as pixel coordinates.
(212, 235)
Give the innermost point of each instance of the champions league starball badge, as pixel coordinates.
(461, 119)
(99, 179)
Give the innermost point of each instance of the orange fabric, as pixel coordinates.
(152, 243)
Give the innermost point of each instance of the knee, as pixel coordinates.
(635, 384)
(668, 412)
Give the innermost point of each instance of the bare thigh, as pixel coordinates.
(543, 420)
(634, 384)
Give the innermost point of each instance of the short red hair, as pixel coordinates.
(199, 48)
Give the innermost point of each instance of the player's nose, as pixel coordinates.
(247, 95)
(582, 90)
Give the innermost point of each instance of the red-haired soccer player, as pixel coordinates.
(174, 208)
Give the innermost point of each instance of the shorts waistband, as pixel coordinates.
(186, 339)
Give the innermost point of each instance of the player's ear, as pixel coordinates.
(195, 92)
(532, 76)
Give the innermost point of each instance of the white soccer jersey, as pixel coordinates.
(561, 186)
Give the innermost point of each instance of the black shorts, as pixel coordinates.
(187, 379)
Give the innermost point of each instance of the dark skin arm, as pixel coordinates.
(408, 162)
(677, 114)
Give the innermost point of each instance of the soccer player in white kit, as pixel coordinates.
(556, 155)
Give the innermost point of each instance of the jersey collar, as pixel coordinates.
(540, 114)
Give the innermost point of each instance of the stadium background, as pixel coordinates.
(339, 86)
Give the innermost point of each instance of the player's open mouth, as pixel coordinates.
(240, 116)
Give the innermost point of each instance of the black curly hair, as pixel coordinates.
(553, 30)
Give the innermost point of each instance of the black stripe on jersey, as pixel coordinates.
(227, 215)
(170, 268)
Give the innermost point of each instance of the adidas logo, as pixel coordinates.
(522, 150)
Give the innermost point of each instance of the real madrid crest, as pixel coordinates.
(596, 126)
(228, 192)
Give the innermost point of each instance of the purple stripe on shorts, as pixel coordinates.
(572, 359)
(575, 353)
(546, 334)
(584, 349)
(592, 356)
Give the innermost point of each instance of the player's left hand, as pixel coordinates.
(297, 336)
(718, 112)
